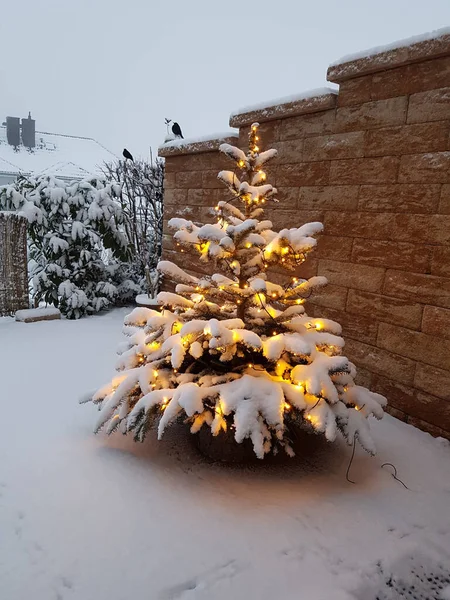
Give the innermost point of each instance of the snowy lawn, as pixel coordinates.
(86, 517)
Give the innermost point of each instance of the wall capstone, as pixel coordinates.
(289, 106)
(400, 53)
(197, 145)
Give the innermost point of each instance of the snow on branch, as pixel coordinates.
(234, 153)
(170, 269)
(229, 179)
(264, 157)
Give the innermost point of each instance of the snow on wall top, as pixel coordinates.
(204, 143)
(65, 156)
(286, 106)
(414, 49)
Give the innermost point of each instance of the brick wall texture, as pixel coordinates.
(372, 163)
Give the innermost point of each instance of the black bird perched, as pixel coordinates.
(127, 154)
(176, 130)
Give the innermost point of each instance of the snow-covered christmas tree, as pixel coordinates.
(235, 351)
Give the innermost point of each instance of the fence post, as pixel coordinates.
(13, 263)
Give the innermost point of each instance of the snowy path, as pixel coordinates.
(85, 517)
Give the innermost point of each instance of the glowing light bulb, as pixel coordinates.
(287, 406)
(250, 366)
(155, 373)
(274, 295)
(256, 149)
(241, 163)
(248, 245)
(319, 326)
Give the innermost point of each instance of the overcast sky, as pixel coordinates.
(113, 69)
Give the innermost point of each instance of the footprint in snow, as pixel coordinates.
(67, 583)
(64, 584)
(294, 553)
(190, 587)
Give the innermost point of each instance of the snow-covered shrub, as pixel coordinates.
(70, 227)
(235, 350)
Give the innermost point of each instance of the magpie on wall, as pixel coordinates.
(176, 130)
(127, 154)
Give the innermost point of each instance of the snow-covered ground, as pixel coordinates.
(86, 517)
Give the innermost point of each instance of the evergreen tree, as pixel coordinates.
(70, 226)
(235, 350)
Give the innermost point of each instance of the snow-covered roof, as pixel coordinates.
(67, 156)
(6, 166)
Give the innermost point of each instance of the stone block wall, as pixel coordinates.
(191, 191)
(13, 263)
(372, 162)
